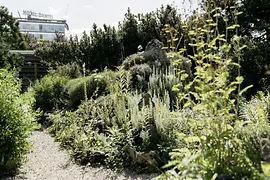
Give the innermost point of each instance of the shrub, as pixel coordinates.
(140, 76)
(72, 70)
(8, 59)
(96, 85)
(213, 147)
(49, 93)
(87, 131)
(255, 114)
(16, 122)
(134, 59)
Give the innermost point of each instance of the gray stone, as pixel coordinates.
(155, 55)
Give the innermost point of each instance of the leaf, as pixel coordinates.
(235, 64)
(212, 24)
(214, 176)
(239, 79)
(238, 13)
(230, 28)
(193, 45)
(243, 47)
(217, 15)
(245, 89)
(209, 20)
(175, 88)
(192, 139)
(184, 77)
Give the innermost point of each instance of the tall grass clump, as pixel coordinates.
(17, 119)
(212, 145)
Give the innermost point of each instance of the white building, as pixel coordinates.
(41, 26)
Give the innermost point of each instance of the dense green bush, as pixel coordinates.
(214, 143)
(16, 121)
(72, 70)
(87, 131)
(49, 93)
(8, 59)
(95, 86)
(193, 108)
(120, 129)
(134, 59)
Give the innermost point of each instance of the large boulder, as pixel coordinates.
(155, 55)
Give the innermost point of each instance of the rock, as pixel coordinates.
(146, 158)
(140, 75)
(155, 55)
(143, 158)
(140, 48)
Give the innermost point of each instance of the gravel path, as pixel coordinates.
(48, 161)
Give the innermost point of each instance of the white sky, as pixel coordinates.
(81, 14)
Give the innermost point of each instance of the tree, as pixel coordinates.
(10, 31)
(148, 28)
(8, 60)
(129, 35)
(105, 48)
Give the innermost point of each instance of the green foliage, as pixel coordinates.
(213, 145)
(98, 50)
(96, 85)
(129, 33)
(17, 120)
(10, 31)
(9, 60)
(49, 93)
(108, 47)
(189, 104)
(107, 129)
(98, 131)
(72, 70)
(254, 27)
(134, 59)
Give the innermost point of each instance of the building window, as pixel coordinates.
(40, 27)
(41, 36)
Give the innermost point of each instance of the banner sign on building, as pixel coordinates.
(39, 15)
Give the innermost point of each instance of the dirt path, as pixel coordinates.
(48, 161)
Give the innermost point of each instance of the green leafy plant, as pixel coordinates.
(17, 119)
(49, 93)
(72, 70)
(212, 147)
(95, 86)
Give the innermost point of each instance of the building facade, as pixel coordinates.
(41, 26)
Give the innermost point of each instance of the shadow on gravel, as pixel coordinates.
(15, 177)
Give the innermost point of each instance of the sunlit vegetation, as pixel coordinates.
(187, 99)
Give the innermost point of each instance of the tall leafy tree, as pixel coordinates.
(10, 38)
(8, 60)
(129, 34)
(148, 28)
(10, 31)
